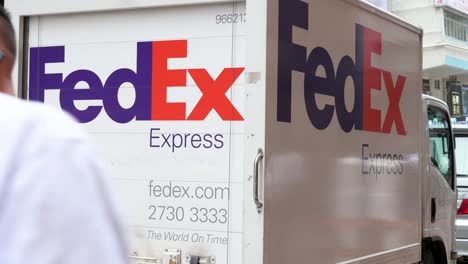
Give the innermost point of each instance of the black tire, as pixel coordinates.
(428, 257)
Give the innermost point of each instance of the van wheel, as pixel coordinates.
(428, 257)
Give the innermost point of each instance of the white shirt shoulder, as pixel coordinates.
(55, 202)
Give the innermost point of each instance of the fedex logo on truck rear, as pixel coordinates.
(151, 81)
(293, 57)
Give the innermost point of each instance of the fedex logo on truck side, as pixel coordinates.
(151, 81)
(293, 57)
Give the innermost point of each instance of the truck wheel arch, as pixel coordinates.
(437, 247)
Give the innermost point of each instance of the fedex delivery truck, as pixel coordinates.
(252, 132)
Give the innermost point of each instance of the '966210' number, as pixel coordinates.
(231, 18)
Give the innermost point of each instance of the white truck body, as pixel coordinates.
(194, 103)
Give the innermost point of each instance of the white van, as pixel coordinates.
(461, 156)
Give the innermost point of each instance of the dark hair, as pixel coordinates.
(7, 31)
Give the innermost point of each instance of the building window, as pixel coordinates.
(456, 26)
(426, 86)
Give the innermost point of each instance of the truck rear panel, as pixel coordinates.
(161, 92)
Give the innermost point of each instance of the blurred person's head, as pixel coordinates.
(8, 52)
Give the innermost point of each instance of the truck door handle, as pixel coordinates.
(258, 158)
(433, 210)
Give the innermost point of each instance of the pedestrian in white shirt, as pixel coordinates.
(55, 203)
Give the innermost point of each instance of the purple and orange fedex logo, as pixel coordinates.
(151, 81)
(294, 57)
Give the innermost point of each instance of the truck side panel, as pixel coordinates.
(342, 168)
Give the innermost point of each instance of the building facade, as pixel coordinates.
(445, 48)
